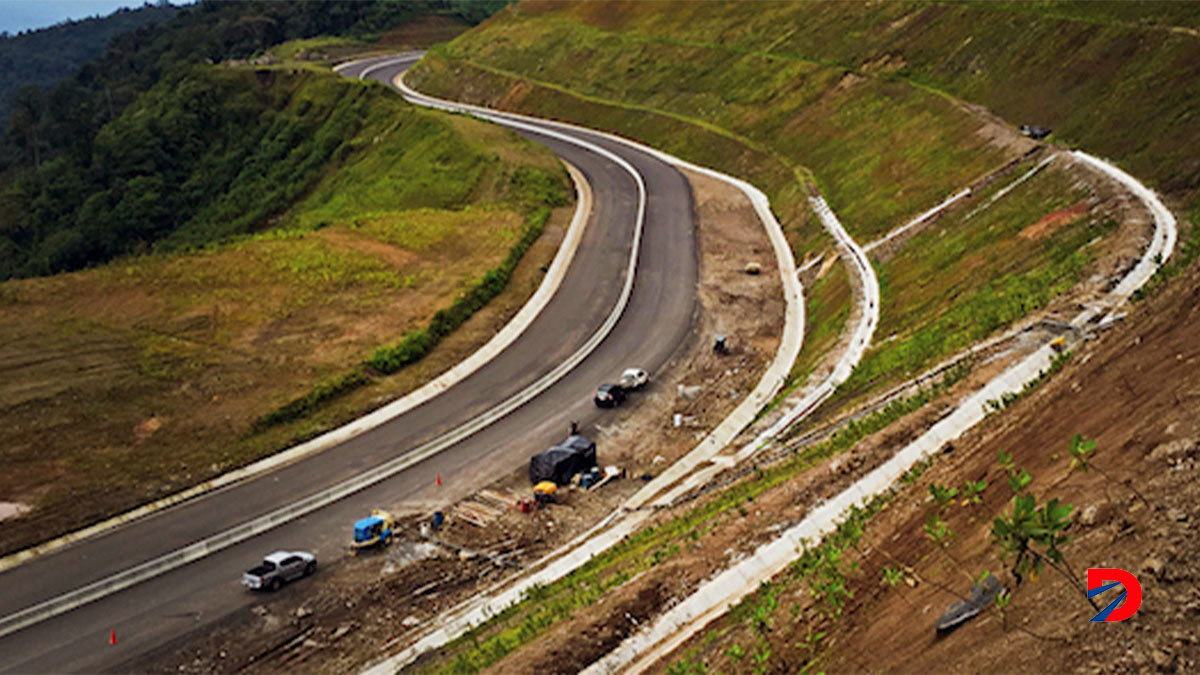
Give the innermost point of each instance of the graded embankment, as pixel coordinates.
(378, 228)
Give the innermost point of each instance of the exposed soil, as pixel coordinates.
(1053, 221)
(1136, 391)
(596, 629)
(144, 397)
(356, 606)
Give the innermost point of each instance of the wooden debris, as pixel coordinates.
(506, 500)
(476, 514)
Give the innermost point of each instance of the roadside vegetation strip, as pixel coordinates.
(204, 547)
(416, 344)
(507, 335)
(603, 537)
(641, 651)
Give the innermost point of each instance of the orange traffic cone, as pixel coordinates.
(112, 636)
(438, 480)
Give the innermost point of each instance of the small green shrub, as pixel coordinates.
(324, 391)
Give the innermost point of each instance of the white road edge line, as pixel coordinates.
(642, 650)
(598, 539)
(498, 343)
(164, 563)
(856, 256)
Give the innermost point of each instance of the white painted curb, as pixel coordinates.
(857, 259)
(599, 539)
(1162, 242)
(673, 628)
(499, 342)
(868, 321)
(211, 544)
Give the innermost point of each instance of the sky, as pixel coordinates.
(19, 15)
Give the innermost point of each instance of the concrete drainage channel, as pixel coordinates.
(641, 651)
(630, 516)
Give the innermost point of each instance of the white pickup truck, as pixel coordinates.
(278, 568)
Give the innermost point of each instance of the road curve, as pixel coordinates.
(660, 637)
(656, 322)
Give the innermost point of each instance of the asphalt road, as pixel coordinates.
(656, 323)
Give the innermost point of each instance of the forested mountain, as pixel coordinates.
(43, 57)
(85, 174)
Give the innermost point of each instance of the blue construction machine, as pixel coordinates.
(374, 530)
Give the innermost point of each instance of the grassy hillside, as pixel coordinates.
(888, 108)
(1121, 79)
(879, 150)
(772, 93)
(160, 370)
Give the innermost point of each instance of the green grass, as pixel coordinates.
(296, 273)
(879, 149)
(878, 145)
(1104, 75)
(826, 312)
(323, 43)
(821, 567)
(544, 606)
(957, 283)
(686, 137)
(865, 100)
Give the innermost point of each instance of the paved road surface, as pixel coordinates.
(658, 319)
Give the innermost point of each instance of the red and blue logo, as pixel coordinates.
(1101, 579)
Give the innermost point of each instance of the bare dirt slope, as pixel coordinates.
(1136, 391)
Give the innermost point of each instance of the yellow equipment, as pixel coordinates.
(544, 491)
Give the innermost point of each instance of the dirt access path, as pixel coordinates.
(342, 617)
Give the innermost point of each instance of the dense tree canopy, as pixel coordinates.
(142, 142)
(45, 56)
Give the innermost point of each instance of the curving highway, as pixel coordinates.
(656, 321)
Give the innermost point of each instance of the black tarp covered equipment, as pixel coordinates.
(574, 455)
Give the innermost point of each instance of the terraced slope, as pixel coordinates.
(786, 93)
(888, 108)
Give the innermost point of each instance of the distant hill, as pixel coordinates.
(81, 181)
(45, 56)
